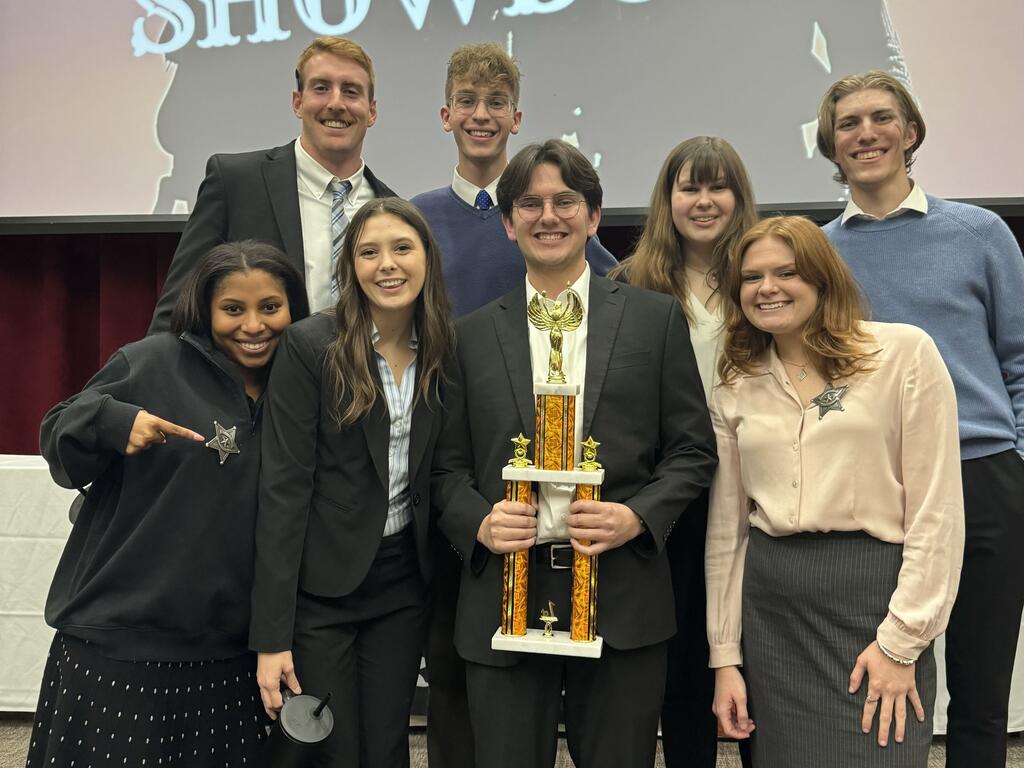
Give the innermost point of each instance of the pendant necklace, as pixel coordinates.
(802, 374)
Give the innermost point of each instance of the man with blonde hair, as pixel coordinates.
(956, 271)
(299, 196)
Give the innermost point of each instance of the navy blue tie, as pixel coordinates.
(483, 200)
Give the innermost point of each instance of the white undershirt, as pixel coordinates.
(315, 201)
(554, 500)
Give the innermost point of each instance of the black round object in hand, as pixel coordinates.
(305, 719)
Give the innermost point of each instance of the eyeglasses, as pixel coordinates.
(531, 207)
(497, 105)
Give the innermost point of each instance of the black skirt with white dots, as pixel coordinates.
(96, 712)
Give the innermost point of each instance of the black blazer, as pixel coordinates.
(249, 195)
(323, 496)
(643, 401)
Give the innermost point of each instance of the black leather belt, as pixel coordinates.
(558, 557)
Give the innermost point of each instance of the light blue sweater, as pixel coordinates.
(956, 272)
(480, 263)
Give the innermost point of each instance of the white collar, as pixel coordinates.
(414, 338)
(915, 201)
(316, 178)
(581, 286)
(467, 192)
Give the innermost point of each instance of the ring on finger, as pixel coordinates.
(870, 700)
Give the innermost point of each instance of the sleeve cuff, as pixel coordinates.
(114, 424)
(725, 655)
(896, 640)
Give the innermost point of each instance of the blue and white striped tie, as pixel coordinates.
(339, 223)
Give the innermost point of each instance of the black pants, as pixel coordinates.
(689, 730)
(611, 704)
(981, 640)
(365, 649)
(449, 734)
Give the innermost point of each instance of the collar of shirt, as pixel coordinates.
(414, 339)
(317, 179)
(467, 192)
(915, 201)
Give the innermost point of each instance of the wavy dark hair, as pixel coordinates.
(659, 259)
(350, 353)
(833, 334)
(192, 311)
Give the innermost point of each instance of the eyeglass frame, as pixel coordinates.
(529, 218)
(506, 112)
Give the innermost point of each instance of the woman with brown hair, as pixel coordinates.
(701, 204)
(835, 534)
(342, 563)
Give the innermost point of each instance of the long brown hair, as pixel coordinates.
(350, 355)
(660, 256)
(832, 334)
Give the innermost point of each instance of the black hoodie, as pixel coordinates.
(159, 563)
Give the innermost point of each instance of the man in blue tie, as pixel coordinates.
(481, 111)
(300, 196)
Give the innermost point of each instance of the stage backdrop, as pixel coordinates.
(114, 107)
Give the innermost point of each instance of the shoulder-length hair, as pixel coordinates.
(350, 355)
(832, 334)
(660, 256)
(193, 309)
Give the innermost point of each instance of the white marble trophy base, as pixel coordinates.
(557, 645)
(558, 476)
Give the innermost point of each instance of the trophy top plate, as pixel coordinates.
(565, 477)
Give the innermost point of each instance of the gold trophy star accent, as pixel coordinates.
(589, 463)
(556, 318)
(519, 459)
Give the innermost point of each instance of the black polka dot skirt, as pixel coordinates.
(96, 712)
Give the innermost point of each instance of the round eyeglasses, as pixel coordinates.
(496, 104)
(531, 207)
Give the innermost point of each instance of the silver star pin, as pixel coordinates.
(830, 399)
(223, 442)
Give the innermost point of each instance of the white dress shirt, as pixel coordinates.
(315, 201)
(554, 500)
(467, 192)
(915, 201)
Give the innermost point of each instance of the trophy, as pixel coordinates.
(554, 452)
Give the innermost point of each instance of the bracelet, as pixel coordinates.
(893, 657)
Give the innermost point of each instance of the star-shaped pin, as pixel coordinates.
(223, 442)
(830, 399)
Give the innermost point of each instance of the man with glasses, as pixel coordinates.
(481, 111)
(300, 196)
(641, 398)
(480, 264)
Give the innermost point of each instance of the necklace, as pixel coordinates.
(802, 366)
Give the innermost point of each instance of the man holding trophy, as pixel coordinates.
(576, 433)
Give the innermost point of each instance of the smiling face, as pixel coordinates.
(481, 136)
(553, 247)
(773, 295)
(336, 110)
(701, 212)
(248, 313)
(390, 263)
(871, 138)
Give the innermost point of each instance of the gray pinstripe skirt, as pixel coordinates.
(811, 603)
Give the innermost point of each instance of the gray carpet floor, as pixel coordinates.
(15, 730)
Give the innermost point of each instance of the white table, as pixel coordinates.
(33, 527)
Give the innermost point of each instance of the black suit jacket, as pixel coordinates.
(323, 497)
(643, 401)
(252, 195)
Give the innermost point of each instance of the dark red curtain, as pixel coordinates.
(68, 302)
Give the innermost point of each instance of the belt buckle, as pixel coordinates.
(552, 552)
